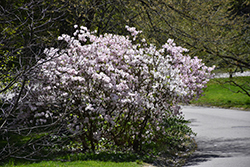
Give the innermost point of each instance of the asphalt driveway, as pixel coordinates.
(223, 137)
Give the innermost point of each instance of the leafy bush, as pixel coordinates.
(112, 92)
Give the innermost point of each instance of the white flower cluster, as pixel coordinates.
(116, 89)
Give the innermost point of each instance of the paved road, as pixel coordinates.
(226, 75)
(223, 137)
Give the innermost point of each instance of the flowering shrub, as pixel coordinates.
(113, 91)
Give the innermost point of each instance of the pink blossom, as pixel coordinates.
(121, 80)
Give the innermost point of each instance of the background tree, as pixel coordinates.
(240, 7)
(27, 28)
(207, 28)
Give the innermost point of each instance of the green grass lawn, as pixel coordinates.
(77, 164)
(219, 95)
(103, 159)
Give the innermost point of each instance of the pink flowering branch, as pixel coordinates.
(117, 91)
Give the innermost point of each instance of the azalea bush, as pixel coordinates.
(113, 92)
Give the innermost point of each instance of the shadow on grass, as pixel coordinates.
(105, 156)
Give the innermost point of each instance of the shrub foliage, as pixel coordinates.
(108, 93)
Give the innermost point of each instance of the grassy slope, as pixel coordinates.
(219, 95)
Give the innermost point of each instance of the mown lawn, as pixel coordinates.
(219, 93)
(77, 164)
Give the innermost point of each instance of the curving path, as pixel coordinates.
(223, 137)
